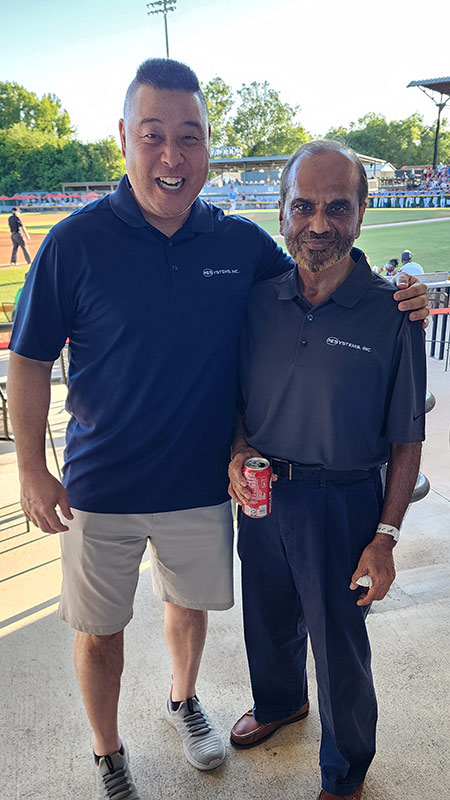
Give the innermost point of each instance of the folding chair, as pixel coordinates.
(8, 309)
(64, 362)
(6, 433)
(61, 367)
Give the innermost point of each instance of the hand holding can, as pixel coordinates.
(258, 474)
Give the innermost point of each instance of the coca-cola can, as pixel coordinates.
(258, 474)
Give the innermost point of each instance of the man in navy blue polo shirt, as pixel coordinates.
(150, 285)
(333, 384)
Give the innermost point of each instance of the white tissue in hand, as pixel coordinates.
(365, 581)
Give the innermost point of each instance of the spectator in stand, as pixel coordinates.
(409, 266)
(17, 227)
(391, 267)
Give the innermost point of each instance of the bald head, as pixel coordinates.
(320, 148)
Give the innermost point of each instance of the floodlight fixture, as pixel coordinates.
(441, 85)
(162, 7)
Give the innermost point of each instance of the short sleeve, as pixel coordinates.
(43, 318)
(405, 419)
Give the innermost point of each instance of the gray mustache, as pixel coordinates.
(314, 237)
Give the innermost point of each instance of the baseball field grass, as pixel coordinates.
(428, 241)
(426, 232)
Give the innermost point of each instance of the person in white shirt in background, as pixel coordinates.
(409, 266)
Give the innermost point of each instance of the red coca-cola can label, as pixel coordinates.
(258, 474)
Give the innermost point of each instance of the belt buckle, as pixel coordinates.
(289, 470)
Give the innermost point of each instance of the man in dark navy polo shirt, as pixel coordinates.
(333, 385)
(150, 285)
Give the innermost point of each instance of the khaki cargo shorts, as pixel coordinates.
(191, 554)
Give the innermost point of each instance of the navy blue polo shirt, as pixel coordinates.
(337, 383)
(154, 326)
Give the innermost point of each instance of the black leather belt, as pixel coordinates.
(294, 471)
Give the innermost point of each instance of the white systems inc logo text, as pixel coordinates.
(332, 341)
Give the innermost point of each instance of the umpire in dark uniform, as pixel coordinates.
(333, 381)
(17, 228)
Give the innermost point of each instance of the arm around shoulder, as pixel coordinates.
(411, 295)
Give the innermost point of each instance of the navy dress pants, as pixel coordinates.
(296, 569)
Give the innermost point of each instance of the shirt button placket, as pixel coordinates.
(172, 267)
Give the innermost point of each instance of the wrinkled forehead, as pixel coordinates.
(323, 177)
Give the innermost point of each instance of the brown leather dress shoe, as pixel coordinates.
(248, 732)
(327, 796)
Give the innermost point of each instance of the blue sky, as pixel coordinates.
(337, 60)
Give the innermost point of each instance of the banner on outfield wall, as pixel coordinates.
(225, 151)
(409, 201)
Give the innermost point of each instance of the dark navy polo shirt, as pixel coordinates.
(154, 326)
(337, 383)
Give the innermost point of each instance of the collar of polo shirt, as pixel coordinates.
(347, 294)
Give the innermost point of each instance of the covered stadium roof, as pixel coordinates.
(441, 85)
(247, 163)
(244, 164)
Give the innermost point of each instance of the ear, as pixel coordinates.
(360, 219)
(280, 216)
(123, 142)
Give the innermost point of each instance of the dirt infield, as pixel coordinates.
(37, 226)
(5, 248)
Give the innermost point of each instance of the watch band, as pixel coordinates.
(391, 530)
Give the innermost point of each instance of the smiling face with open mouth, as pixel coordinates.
(165, 141)
(322, 215)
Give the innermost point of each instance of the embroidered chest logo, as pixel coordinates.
(210, 273)
(333, 341)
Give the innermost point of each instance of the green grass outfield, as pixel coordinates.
(429, 242)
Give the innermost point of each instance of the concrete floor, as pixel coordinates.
(46, 738)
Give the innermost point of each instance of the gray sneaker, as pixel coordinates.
(203, 745)
(114, 781)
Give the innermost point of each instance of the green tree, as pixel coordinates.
(17, 105)
(370, 135)
(263, 125)
(339, 134)
(219, 100)
(33, 159)
(21, 151)
(52, 117)
(105, 160)
(402, 142)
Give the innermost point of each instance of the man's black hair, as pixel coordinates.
(317, 147)
(164, 74)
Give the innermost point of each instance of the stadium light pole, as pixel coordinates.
(441, 85)
(162, 7)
